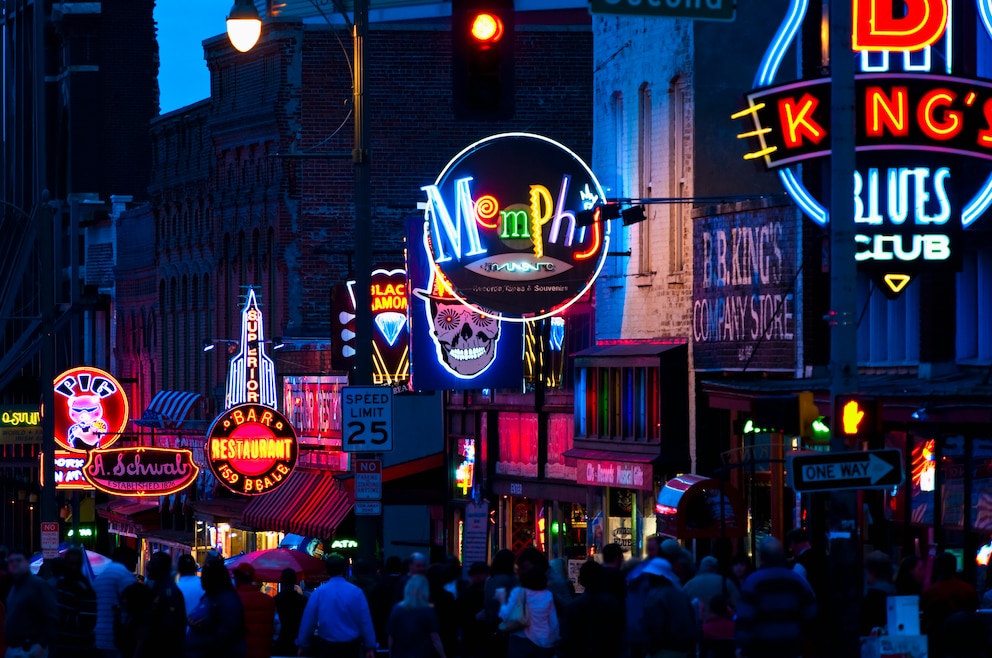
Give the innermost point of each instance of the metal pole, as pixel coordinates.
(844, 544)
(46, 240)
(367, 528)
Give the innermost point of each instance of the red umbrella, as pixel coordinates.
(269, 564)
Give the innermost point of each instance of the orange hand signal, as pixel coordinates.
(852, 417)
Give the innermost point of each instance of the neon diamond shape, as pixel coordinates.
(390, 324)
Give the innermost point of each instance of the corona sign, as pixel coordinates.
(251, 449)
(140, 471)
(91, 409)
(500, 227)
(923, 136)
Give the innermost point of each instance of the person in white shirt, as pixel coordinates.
(537, 639)
(189, 581)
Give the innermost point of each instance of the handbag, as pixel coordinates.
(517, 619)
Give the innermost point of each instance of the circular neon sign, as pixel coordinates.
(251, 449)
(501, 231)
(91, 409)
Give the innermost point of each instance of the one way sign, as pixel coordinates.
(830, 471)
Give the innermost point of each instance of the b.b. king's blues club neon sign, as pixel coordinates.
(923, 136)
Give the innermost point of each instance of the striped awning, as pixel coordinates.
(168, 409)
(310, 503)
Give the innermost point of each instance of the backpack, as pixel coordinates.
(669, 620)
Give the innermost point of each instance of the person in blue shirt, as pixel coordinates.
(337, 622)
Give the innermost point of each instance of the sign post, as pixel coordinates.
(368, 479)
(836, 471)
(367, 424)
(49, 540)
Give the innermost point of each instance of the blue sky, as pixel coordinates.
(183, 76)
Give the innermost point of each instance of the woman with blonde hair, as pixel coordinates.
(413, 628)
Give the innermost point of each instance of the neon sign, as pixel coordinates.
(140, 471)
(454, 346)
(251, 449)
(251, 374)
(913, 192)
(504, 240)
(390, 340)
(68, 471)
(876, 29)
(91, 409)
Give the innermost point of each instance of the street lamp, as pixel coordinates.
(366, 527)
(244, 25)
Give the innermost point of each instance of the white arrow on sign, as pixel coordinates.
(874, 468)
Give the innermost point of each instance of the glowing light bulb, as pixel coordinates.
(487, 27)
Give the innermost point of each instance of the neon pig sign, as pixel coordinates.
(500, 228)
(91, 409)
(923, 137)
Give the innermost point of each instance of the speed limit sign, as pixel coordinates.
(367, 419)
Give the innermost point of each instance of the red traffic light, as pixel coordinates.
(487, 27)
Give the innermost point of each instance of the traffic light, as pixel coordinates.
(482, 59)
(855, 419)
(808, 413)
(602, 212)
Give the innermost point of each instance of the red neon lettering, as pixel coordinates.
(948, 125)
(886, 112)
(876, 29)
(985, 134)
(593, 248)
(796, 119)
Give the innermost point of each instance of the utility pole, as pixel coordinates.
(842, 521)
(367, 528)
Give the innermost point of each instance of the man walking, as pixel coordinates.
(777, 607)
(339, 615)
(32, 613)
(109, 586)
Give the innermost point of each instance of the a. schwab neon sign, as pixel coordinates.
(500, 227)
(914, 128)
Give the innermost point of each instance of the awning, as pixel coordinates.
(310, 503)
(637, 352)
(129, 516)
(168, 409)
(219, 510)
(696, 507)
(612, 455)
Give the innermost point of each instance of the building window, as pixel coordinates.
(618, 404)
(618, 238)
(676, 173)
(974, 307)
(888, 330)
(644, 160)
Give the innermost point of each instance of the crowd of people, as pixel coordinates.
(665, 605)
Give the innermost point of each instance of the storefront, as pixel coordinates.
(631, 435)
(312, 503)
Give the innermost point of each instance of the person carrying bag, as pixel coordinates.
(528, 614)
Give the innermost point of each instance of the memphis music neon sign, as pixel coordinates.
(501, 231)
(913, 126)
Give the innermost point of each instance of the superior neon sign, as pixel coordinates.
(251, 374)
